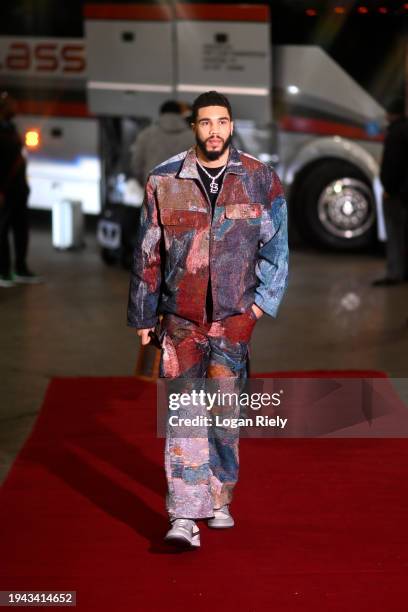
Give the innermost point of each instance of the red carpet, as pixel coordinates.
(322, 524)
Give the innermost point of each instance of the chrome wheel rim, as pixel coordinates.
(346, 208)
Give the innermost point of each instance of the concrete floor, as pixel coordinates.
(75, 325)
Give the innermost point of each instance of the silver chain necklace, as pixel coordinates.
(213, 184)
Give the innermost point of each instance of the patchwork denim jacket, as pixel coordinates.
(242, 247)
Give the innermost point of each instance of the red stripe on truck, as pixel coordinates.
(223, 12)
(52, 108)
(203, 12)
(329, 128)
(127, 12)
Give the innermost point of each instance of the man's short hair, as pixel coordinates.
(210, 98)
(170, 106)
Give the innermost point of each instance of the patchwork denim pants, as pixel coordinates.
(202, 467)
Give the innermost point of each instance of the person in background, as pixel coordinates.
(394, 178)
(161, 140)
(186, 111)
(13, 199)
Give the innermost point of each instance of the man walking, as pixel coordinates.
(212, 257)
(394, 178)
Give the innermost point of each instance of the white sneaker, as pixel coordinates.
(27, 278)
(222, 518)
(183, 533)
(6, 281)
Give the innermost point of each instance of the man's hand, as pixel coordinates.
(258, 312)
(144, 335)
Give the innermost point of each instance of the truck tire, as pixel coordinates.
(335, 207)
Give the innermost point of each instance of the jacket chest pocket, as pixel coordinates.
(244, 210)
(173, 218)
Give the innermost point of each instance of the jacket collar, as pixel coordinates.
(189, 166)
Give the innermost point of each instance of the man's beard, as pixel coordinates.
(213, 155)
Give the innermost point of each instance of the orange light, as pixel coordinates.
(363, 10)
(311, 12)
(340, 10)
(383, 10)
(32, 139)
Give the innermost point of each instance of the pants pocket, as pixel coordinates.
(251, 314)
(169, 363)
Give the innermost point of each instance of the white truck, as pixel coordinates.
(85, 93)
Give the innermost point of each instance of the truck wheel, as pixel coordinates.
(336, 207)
